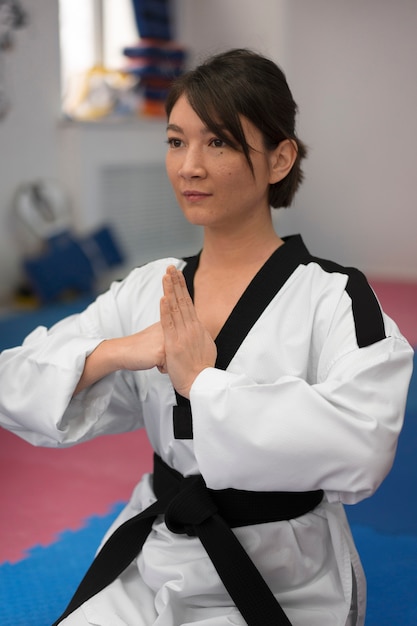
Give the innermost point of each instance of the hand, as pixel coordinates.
(140, 351)
(143, 350)
(189, 347)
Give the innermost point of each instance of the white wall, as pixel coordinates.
(209, 27)
(351, 65)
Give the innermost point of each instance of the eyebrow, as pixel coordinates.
(175, 128)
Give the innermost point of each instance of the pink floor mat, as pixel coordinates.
(399, 301)
(45, 491)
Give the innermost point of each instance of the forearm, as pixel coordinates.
(38, 380)
(104, 360)
(339, 435)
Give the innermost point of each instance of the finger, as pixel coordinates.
(167, 320)
(173, 296)
(168, 287)
(171, 303)
(182, 296)
(188, 303)
(169, 290)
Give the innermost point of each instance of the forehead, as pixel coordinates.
(183, 114)
(183, 118)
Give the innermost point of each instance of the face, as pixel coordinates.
(212, 181)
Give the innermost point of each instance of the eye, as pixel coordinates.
(174, 142)
(217, 143)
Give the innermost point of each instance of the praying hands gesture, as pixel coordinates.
(178, 345)
(189, 347)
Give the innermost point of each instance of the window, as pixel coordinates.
(93, 34)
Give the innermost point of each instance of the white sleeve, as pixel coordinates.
(38, 380)
(339, 434)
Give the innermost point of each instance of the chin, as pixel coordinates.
(195, 216)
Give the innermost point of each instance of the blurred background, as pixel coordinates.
(81, 134)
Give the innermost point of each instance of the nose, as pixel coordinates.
(192, 165)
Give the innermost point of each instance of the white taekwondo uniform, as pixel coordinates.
(314, 398)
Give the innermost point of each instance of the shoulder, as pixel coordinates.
(367, 313)
(333, 282)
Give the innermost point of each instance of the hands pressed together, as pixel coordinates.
(189, 347)
(178, 345)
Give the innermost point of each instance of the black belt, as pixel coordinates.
(190, 507)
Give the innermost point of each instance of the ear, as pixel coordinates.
(282, 159)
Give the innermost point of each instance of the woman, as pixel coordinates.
(268, 372)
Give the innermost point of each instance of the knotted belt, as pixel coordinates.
(193, 509)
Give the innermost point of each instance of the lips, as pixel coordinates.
(194, 195)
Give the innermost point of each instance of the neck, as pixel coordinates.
(239, 248)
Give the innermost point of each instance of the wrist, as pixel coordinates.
(115, 354)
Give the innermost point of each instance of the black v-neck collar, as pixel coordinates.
(256, 297)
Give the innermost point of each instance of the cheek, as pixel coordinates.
(235, 178)
(229, 173)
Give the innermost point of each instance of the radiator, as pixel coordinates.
(139, 204)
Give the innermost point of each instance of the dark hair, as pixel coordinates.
(242, 82)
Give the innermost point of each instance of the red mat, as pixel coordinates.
(45, 491)
(399, 301)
